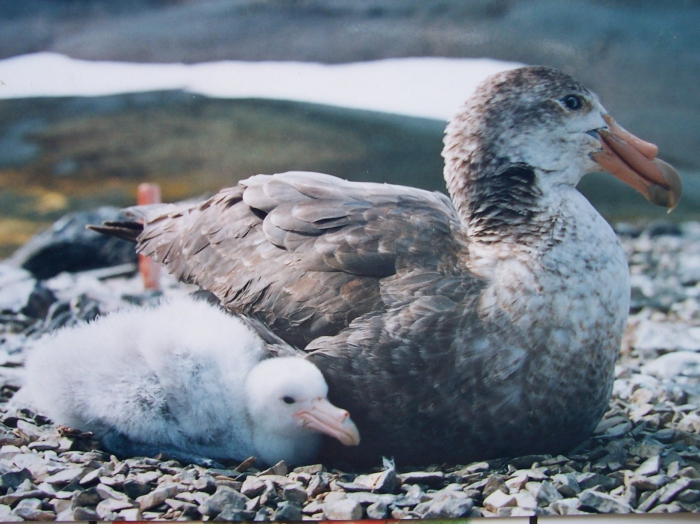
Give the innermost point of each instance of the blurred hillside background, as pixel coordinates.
(66, 153)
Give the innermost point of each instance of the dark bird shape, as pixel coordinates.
(457, 329)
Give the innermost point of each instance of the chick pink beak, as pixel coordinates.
(324, 417)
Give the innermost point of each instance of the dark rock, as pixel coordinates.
(431, 478)
(288, 511)
(14, 478)
(134, 488)
(590, 480)
(30, 509)
(318, 484)
(294, 493)
(205, 483)
(526, 461)
(388, 482)
(493, 483)
(566, 484)
(68, 246)
(602, 503)
(85, 514)
(89, 497)
(39, 302)
(224, 497)
(650, 483)
(229, 514)
(263, 514)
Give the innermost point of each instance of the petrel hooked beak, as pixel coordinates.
(324, 417)
(634, 161)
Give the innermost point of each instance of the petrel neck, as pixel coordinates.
(498, 199)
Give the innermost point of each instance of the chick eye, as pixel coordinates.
(288, 400)
(573, 102)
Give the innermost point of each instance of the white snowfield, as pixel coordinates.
(422, 87)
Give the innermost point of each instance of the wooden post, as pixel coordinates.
(149, 269)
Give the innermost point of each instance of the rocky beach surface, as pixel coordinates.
(644, 456)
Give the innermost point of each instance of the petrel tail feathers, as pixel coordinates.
(124, 230)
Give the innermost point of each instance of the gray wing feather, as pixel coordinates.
(305, 252)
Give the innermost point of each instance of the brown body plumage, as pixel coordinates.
(452, 330)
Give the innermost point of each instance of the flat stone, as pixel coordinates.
(59, 506)
(377, 510)
(279, 480)
(650, 466)
(279, 469)
(645, 504)
(688, 496)
(602, 503)
(92, 477)
(526, 461)
(590, 480)
(105, 492)
(566, 484)
(318, 484)
(11, 498)
(422, 477)
(294, 493)
(414, 495)
(516, 512)
(252, 486)
(651, 483)
(673, 507)
(89, 497)
(109, 506)
(525, 499)
(8, 451)
(310, 470)
(133, 488)
(672, 490)
(344, 509)
(223, 498)
(149, 476)
(85, 514)
(450, 508)
(14, 478)
(544, 492)
(230, 514)
(156, 497)
(30, 509)
(288, 511)
(66, 476)
(497, 500)
(564, 506)
(34, 463)
(43, 445)
(130, 514)
(383, 482)
(113, 481)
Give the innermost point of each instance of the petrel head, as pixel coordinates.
(527, 131)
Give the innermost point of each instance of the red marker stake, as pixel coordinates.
(150, 270)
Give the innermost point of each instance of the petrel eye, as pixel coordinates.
(573, 102)
(288, 400)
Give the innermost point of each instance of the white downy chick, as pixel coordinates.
(184, 378)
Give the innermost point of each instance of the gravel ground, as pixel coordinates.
(643, 458)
